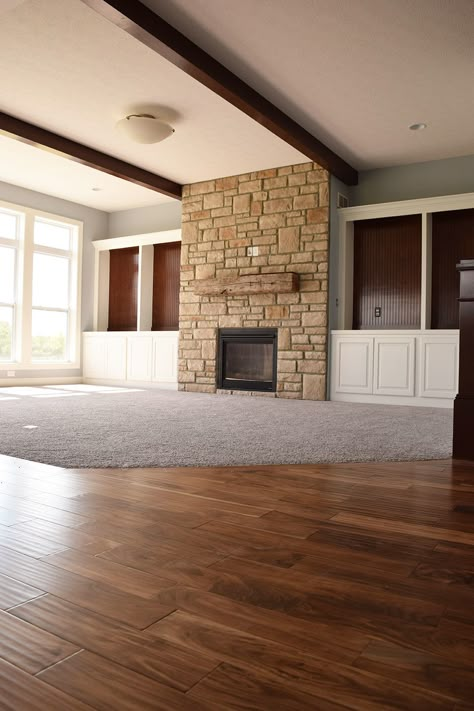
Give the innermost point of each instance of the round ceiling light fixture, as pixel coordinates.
(144, 128)
(418, 126)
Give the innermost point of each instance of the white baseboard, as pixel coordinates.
(393, 400)
(130, 384)
(18, 382)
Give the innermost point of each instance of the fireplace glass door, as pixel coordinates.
(247, 359)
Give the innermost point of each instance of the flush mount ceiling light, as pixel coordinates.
(144, 128)
(418, 126)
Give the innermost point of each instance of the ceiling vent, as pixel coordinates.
(342, 200)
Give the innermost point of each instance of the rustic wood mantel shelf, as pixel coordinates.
(279, 283)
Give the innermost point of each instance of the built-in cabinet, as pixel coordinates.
(129, 304)
(149, 358)
(396, 367)
(395, 340)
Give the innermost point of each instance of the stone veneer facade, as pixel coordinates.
(283, 211)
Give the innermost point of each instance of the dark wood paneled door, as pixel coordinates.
(387, 273)
(123, 289)
(166, 270)
(452, 240)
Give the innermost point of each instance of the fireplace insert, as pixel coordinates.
(247, 359)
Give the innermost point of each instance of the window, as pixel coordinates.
(9, 241)
(39, 298)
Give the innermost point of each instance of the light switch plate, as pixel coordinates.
(252, 251)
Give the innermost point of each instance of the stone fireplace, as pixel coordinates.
(258, 243)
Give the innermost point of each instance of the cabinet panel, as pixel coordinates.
(394, 366)
(139, 358)
(94, 357)
(165, 359)
(439, 367)
(353, 365)
(116, 358)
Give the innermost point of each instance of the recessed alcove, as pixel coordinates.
(136, 294)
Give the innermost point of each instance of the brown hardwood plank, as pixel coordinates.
(310, 597)
(422, 669)
(334, 683)
(28, 647)
(238, 689)
(22, 692)
(24, 510)
(134, 582)
(336, 641)
(99, 597)
(26, 543)
(150, 560)
(277, 522)
(13, 592)
(382, 524)
(118, 642)
(9, 518)
(64, 536)
(108, 686)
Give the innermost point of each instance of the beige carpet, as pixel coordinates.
(83, 426)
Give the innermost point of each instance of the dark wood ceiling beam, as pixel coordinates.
(77, 152)
(149, 28)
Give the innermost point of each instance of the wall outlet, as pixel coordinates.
(378, 311)
(11, 373)
(252, 251)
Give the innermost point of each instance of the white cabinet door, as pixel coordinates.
(94, 357)
(139, 358)
(116, 358)
(165, 358)
(352, 364)
(394, 366)
(439, 360)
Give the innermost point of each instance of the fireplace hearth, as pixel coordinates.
(247, 359)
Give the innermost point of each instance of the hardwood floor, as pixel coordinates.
(281, 587)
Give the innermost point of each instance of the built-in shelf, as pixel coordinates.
(143, 292)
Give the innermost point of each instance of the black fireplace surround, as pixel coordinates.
(247, 359)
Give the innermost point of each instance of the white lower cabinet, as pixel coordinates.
(139, 358)
(395, 367)
(439, 360)
(130, 358)
(353, 364)
(165, 359)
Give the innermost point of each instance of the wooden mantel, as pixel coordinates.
(278, 283)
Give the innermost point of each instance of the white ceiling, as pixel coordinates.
(35, 169)
(354, 72)
(80, 74)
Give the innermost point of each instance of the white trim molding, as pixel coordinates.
(137, 240)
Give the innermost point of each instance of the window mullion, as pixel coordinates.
(26, 292)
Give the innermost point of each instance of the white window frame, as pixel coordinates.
(16, 245)
(22, 329)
